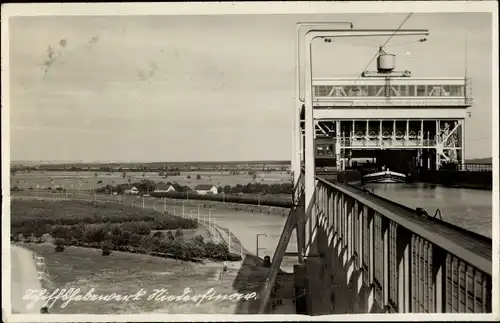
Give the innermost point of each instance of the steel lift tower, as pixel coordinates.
(383, 110)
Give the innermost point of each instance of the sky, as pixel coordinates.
(207, 87)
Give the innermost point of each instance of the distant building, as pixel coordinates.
(164, 188)
(131, 191)
(206, 189)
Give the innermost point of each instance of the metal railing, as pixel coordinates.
(476, 167)
(393, 102)
(411, 264)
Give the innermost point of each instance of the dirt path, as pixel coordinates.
(23, 278)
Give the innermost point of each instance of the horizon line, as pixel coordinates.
(147, 162)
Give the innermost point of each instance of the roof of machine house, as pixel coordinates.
(204, 187)
(163, 187)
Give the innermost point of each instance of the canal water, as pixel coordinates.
(469, 209)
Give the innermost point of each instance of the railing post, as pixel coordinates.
(361, 218)
(372, 253)
(343, 220)
(348, 226)
(335, 217)
(385, 232)
(331, 213)
(403, 256)
(438, 279)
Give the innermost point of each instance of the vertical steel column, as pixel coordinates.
(338, 144)
(462, 134)
(439, 147)
(380, 137)
(393, 129)
(296, 152)
(309, 177)
(407, 134)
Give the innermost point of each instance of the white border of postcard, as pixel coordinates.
(36, 9)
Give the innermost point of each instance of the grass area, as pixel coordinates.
(39, 216)
(88, 180)
(124, 273)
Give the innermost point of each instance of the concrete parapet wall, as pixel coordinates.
(345, 292)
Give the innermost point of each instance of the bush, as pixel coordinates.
(233, 257)
(106, 250)
(158, 235)
(170, 236)
(59, 247)
(199, 239)
(179, 233)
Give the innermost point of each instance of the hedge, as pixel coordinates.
(264, 200)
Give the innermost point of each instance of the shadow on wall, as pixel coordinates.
(251, 278)
(344, 291)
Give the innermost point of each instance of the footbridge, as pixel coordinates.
(361, 253)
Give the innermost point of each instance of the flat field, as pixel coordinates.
(89, 180)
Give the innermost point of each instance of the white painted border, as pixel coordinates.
(38, 9)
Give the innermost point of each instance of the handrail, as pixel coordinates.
(479, 262)
(278, 256)
(442, 242)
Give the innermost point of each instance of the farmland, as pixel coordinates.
(85, 180)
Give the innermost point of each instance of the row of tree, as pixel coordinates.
(117, 237)
(148, 186)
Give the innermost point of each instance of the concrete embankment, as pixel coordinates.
(24, 277)
(458, 179)
(232, 206)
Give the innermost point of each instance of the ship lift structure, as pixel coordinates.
(383, 116)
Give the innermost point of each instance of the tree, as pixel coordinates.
(198, 177)
(95, 174)
(254, 176)
(96, 235)
(129, 180)
(106, 250)
(124, 174)
(188, 177)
